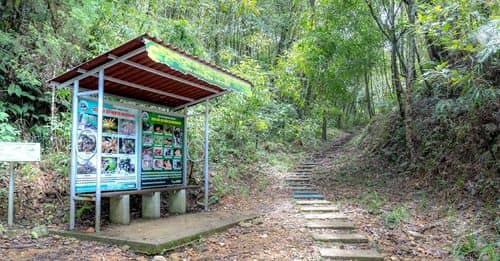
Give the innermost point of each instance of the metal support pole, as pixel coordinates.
(10, 220)
(205, 171)
(74, 141)
(100, 106)
(185, 146)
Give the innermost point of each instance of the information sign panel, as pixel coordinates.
(162, 150)
(19, 151)
(119, 147)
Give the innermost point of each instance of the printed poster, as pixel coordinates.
(162, 150)
(119, 143)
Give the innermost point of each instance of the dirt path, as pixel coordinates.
(276, 235)
(344, 175)
(385, 205)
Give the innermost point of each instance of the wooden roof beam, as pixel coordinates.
(163, 74)
(138, 86)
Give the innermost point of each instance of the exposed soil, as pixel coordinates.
(278, 234)
(370, 190)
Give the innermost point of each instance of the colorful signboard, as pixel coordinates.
(119, 147)
(162, 150)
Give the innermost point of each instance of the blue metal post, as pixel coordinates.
(74, 141)
(100, 108)
(205, 171)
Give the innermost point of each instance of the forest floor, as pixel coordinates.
(403, 222)
(278, 234)
(392, 208)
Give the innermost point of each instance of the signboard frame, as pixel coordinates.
(88, 95)
(139, 111)
(31, 153)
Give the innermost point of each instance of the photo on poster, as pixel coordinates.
(87, 141)
(87, 121)
(110, 125)
(167, 152)
(126, 165)
(127, 146)
(87, 166)
(158, 164)
(147, 139)
(168, 130)
(167, 164)
(109, 165)
(168, 141)
(177, 164)
(157, 152)
(158, 128)
(147, 164)
(158, 139)
(147, 127)
(177, 137)
(127, 127)
(177, 152)
(147, 153)
(109, 145)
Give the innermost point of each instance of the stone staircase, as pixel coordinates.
(336, 237)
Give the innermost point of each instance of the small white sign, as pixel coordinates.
(19, 151)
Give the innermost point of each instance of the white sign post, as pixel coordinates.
(17, 152)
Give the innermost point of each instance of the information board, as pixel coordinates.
(19, 151)
(162, 150)
(119, 149)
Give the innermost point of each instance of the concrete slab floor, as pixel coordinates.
(153, 236)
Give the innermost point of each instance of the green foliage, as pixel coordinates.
(7, 131)
(474, 246)
(81, 210)
(373, 201)
(394, 217)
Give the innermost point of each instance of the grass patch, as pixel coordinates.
(373, 201)
(394, 217)
(474, 246)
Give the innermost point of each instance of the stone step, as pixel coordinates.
(298, 179)
(301, 187)
(301, 175)
(300, 172)
(299, 184)
(342, 238)
(307, 196)
(306, 192)
(303, 169)
(331, 224)
(331, 215)
(309, 163)
(319, 209)
(350, 254)
(312, 202)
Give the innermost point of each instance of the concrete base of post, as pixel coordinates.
(177, 202)
(151, 204)
(119, 210)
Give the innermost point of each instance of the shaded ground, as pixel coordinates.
(277, 234)
(392, 208)
(398, 214)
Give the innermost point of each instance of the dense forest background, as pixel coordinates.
(422, 76)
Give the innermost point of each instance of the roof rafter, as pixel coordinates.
(163, 74)
(140, 87)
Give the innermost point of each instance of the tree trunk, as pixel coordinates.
(324, 126)
(410, 80)
(368, 96)
(396, 82)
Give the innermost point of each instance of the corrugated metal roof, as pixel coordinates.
(147, 83)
